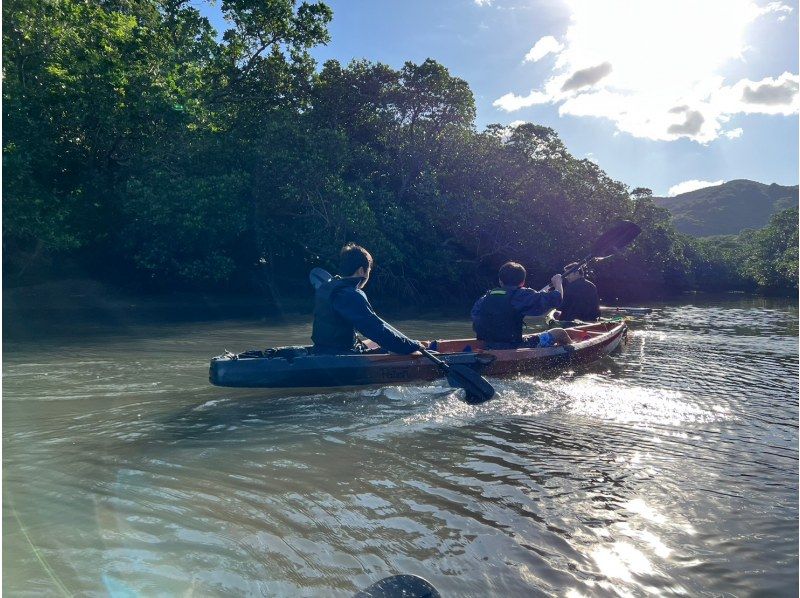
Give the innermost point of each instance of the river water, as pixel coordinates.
(669, 468)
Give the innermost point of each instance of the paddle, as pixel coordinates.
(400, 586)
(614, 240)
(477, 389)
(317, 277)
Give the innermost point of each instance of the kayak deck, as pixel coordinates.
(297, 367)
(551, 322)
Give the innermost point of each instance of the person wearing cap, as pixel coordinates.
(581, 301)
(498, 316)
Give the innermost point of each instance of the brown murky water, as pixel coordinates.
(669, 468)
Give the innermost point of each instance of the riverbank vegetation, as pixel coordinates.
(149, 149)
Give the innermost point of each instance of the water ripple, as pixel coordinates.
(669, 469)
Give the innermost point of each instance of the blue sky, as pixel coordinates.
(658, 93)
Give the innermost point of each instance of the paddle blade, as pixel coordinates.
(616, 238)
(317, 277)
(477, 388)
(400, 586)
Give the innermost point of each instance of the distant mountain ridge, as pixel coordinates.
(729, 208)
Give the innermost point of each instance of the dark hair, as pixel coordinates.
(512, 274)
(352, 257)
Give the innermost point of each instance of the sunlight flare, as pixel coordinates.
(658, 70)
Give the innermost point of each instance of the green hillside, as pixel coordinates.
(729, 208)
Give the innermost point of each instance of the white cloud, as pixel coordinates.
(511, 102)
(483, 2)
(779, 7)
(734, 134)
(515, 123)
(771, 93)
(635, 63)
(546, 45)
(692, 185)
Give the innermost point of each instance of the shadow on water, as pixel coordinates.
(69, 310)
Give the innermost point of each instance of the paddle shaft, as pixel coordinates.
(442, 365)
(580, 265)
(614, 240)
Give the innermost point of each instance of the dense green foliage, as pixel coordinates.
(729, 208)
(756, 259)
(772, 262)
(144, 146)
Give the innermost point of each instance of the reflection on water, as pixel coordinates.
(669, 468)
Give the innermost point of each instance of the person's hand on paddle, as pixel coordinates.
(558, 283)
(425, 345)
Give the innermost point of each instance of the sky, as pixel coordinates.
(672, 95)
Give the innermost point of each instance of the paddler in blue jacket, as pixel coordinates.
(498, 316)
(342, 308)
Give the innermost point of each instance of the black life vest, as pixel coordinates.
(331, 332)
(498, 321)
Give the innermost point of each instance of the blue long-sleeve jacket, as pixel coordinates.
(352, 304)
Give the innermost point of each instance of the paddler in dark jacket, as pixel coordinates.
(581, 301)
(498, 316)
(341, 308)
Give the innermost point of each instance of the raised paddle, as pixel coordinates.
(317, 277)
(614, 240)
(476, 388)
